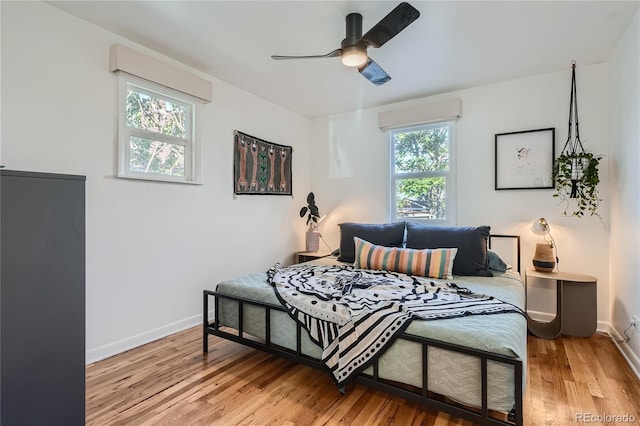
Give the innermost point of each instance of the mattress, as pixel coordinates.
(452, 374)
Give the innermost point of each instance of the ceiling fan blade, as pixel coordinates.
(328, 55)
(397, 20)
(372, 72)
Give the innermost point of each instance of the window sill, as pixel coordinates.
(435, 222)
(160, 179)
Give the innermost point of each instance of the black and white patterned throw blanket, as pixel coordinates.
(354, 315)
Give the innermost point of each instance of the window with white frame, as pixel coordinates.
(422, 173)
(156, 133)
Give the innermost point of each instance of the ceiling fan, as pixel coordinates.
(353, 49)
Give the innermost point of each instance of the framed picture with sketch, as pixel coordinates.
(524, 160)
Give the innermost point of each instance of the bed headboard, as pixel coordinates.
(508, 247)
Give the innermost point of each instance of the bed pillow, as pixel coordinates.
(388, 235)
(471, 243)
(496, 263)
(432, 263)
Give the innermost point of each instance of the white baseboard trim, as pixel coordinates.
(114, 348)
(632, 359)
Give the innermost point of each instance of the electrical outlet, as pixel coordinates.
(635, 321)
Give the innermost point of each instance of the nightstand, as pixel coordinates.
(305, 256)
(576, 305)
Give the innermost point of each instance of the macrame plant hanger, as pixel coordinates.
(573, 147)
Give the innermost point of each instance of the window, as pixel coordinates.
(422, 173)
(156, 133)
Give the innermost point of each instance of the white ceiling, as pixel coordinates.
(453, 45)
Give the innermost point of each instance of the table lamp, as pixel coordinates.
(544, 259)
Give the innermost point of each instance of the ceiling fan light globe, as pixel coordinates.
(354, 56)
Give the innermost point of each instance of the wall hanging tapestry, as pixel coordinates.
(260, 167)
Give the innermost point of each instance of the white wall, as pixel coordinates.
(351, 163)
(151, 247)
(625, 186)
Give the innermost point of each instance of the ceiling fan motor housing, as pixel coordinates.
(354, 29)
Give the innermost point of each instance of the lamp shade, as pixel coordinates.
(541, 227)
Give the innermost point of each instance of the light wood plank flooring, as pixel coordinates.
(171, 382)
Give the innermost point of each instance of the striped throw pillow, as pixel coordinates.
(432, 263)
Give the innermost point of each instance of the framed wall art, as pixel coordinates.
(260, 167)
(524, 160)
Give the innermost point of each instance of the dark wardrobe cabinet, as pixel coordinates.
(42, 299)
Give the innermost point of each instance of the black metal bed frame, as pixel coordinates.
(373, 381)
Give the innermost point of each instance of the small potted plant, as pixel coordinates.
(313, 214)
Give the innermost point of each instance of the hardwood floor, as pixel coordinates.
(171, 382)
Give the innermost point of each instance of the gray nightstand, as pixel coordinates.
(305, 256)
(576, 305)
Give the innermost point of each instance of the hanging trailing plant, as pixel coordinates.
(575, 171)
(576, 176)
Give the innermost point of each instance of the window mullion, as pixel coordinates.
(419, 175)
(155, 136)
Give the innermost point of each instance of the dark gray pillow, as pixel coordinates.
(495, 262)
(388, 235)
(471, 243)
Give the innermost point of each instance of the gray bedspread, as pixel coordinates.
(451, 374)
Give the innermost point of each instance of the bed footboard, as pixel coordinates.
(424, 396)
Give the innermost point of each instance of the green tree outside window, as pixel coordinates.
(421, 165)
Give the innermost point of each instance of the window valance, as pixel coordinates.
(422, 114)
(135, 63)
